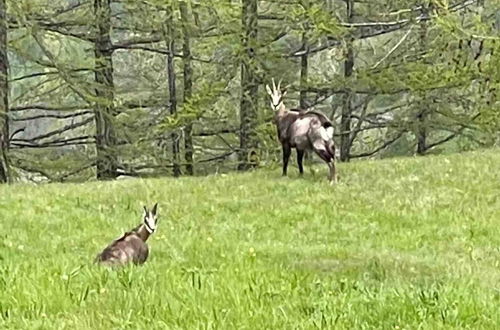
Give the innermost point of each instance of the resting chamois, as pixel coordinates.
(302, 130)
(131, 247)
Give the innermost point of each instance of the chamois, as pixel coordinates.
(302, 130)
(131, 247)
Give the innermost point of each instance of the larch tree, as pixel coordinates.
(249, 86)
(4, 95)
(172, 90)
(106, 153)
(394, 77)
(188, 82)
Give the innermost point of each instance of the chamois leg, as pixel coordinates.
(300, 157)
(332, 177)
(286, 156)
(330, 161)
(333, 169)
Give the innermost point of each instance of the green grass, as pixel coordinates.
(401, 243)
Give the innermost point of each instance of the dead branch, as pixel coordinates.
(57, 131)
(20, 144)
(41, 74)
(383, 146)
(212, 133)
(74, 172)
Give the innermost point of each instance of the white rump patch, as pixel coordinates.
(329, 131)
(325, 134)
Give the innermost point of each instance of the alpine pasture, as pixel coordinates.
(404, 243)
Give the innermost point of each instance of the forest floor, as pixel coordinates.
(401, 243)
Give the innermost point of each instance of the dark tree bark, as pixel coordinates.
(4, 95)
(249, 88)
(421, 133)
(304, 69)
(106, 162)
(422, 115)
(345, 120)
(304, 66)
(188, 84)
(304, 59)
(172, 87)
(304, 73)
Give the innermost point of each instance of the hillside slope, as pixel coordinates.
(398, 244)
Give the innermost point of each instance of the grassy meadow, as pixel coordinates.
(403, 243)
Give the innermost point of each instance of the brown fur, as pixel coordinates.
(131, 247)
(128, 248)
(284, 122)
(325, 121)
(302, 130)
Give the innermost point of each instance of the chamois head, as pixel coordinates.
(276, 96)
(150, 219)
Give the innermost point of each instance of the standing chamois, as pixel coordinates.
(302, 130)
(131, 247)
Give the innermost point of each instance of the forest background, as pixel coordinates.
(106, 88)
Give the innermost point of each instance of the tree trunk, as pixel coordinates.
(304, 70)
(421, 134)
(304, 59)
(188, 84)
(345, 120)
(422, 115)
(304, 66)
(104, 109)
(249, 88)
(4, 95)
(171, 88)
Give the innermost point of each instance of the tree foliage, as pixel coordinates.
(168, 87)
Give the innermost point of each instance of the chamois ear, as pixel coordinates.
(145, 210)
(268, 89)
(153, 211)
(283, 94)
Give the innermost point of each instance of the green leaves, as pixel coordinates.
(400, 56)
